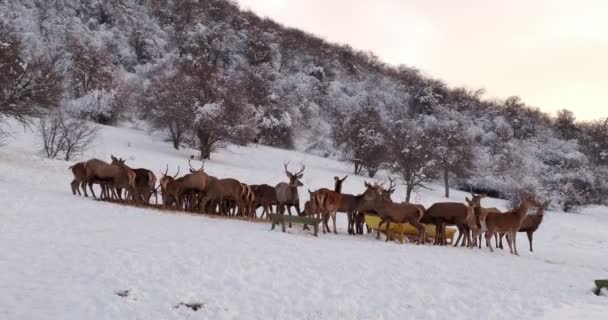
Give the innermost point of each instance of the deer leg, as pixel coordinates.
(489, 240)
(333, 218)
(499, 240)
(509, 243)
(91, 187)
(460, 231)
(530, 235)
(74, 185)
(379, 227)
(421, 230)
(289, 211)
(388, 230)
(514, 235)
(467, 231)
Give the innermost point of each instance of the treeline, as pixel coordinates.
(205, 73)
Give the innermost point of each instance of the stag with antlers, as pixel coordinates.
(287, 192)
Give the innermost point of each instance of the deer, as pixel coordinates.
(531, 223)
(222, 191)
(348, 204)
(449, 213)
(326, 202)
(265, 197)
(287, 192)
(508, 223)
(480, 216)
(375, 197)
(248, 201)
(171, 189)
(194, 184)
(80, 173)
(125, 181)
(119, 174)
(145, 183)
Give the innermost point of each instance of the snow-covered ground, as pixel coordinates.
(66, 257)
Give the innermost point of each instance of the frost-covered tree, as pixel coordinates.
(565, 126)
(30, 85)
(361, 138)
(411, 154)
(452, 144)
(90, 65)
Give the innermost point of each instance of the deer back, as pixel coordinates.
(449, 212)
(197, 180)
(349, 203)
(99, 169)
(227, 189)
(398, 212)
(265, 194)
(79, 171)
(327, 199)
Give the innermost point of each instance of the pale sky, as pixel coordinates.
(552, 53)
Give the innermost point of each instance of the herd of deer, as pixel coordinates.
(199, 192)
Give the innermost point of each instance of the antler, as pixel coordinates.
(392, 184)
(285, 164)
(190, 165)
(302, 170)
(166, 170)
(176, 172)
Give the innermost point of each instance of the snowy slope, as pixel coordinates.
(65, 257)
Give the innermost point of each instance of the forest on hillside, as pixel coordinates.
(206, 73)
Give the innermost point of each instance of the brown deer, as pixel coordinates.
(508, 223)
(119, 174)
(326, 202)
(125, 181)
(145, 183)
(464, 231)
(194, 185)
(171, 189)
(222, 191)
(247, 201)
(375, 197)
(287, 192)
(449, 213)
(265, 197)
(531, 223)
(348, 204)
(80, 175)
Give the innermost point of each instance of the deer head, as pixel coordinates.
(475, 200)
(375, 192)
(116, 161)
(294, 178)
(193, 170)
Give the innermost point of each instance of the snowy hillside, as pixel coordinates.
(67, 257)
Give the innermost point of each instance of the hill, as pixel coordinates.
(69, 257)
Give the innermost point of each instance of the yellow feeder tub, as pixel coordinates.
(399, 229)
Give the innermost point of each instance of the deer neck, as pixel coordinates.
(521, 211)
(338, 187)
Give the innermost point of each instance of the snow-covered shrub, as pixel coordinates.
(97, 105)
(65, 136)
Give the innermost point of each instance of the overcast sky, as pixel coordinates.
(552, 53)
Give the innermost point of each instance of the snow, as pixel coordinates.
(67, 257)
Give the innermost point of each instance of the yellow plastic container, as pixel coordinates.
(399, 229)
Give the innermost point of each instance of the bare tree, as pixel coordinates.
(66, 136)
(29, 87)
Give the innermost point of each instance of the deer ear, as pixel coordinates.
(344, 178)
(391, 191)
(367, 185)
(467, 199)
(300, 176)
(336, 178)
(112, 157)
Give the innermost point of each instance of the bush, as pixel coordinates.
(65, 136)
